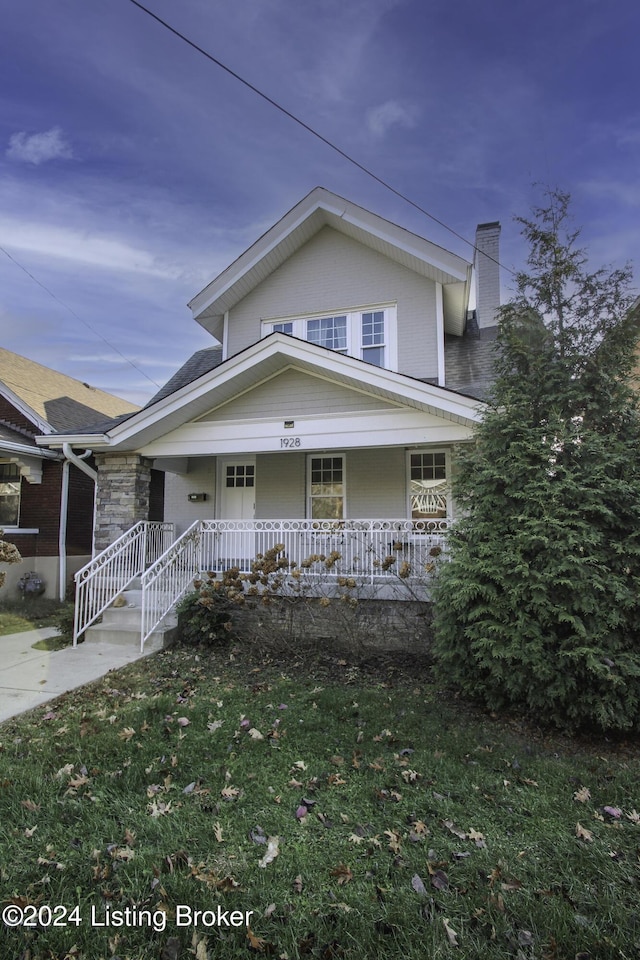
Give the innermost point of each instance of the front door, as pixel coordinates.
(238, 502)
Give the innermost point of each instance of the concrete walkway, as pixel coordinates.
(29, 678)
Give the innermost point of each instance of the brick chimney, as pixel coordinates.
(486, 262)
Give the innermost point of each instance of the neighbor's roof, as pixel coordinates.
(52, 400)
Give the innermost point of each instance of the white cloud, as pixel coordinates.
(39, 147)
(83, 247)
(381, 118)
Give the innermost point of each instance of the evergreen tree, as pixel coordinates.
(538, 607)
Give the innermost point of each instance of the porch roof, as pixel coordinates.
(256, 365)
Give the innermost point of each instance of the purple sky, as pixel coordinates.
(132, 170)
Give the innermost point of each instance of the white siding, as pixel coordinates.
(333, 272)
(201, 478)
(295, 393)
(280, 486)
(376, 483)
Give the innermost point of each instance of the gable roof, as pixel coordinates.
(52, 401)
(322, 208)
(254, 365)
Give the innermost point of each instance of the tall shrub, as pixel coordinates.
(539, 606)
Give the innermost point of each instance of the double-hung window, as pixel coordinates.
(365, 333)
(326, 487)
(10, 481)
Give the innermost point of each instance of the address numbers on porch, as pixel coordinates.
(286, 443)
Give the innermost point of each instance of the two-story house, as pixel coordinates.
(345, 366)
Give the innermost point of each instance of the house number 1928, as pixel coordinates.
(288, 442)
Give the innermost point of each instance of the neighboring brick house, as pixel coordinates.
(46, 500)
(346, 364)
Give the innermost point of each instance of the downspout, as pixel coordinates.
(70, 457)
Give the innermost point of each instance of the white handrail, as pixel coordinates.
(100, 581)
(168, 578)
(362, 548)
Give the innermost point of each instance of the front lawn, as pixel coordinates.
(348, 812)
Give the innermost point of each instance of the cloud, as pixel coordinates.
(39, 147)
(84, 247)
(381, 118)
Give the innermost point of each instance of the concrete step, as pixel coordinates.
(127, 637)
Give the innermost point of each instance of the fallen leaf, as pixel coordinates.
(343, 873)
(451, 827)
(439, 880)
(183, 721)
(614, 812)
(418, 885)
(269, 911)
(582, 795)
(218, 833)
(255, 734)
(452, 936)
(257, 835)
(214, 725)
(583, 834)
(127, 733)
(256, 943)
(301, 812)
(477, 837)
(230, 793)
(271, 853)
(298, 884)
(30, 805)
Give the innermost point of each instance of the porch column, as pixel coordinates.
(122, 495)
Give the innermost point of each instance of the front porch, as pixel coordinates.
(382, 558)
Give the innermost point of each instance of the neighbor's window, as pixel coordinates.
(428, 485)
(326, 488)
(366, 334)
(9, 495)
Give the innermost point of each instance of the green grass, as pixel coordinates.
(427, 822)
(16, 616)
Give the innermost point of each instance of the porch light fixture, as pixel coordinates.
(289, 424)
(196, 497)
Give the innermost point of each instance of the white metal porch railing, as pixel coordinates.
(100, 581)
(360, 548)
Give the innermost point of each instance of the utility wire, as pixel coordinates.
(310, 129)
(81, 319)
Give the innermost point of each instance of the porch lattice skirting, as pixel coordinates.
(399, 554)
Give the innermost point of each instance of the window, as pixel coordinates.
(373, 337)
(367, 334)
(326, 488)
(10, 481)
(241, 475)
(328, 332)
(428, 490)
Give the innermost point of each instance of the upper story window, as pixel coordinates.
(369, 334)
(9, 495)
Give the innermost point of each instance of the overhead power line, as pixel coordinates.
(78, 317)
(305, 126)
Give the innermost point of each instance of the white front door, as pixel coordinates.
(238, 502)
